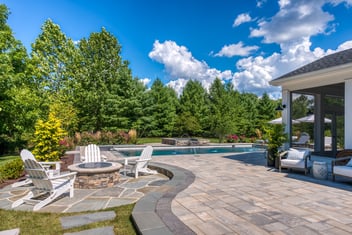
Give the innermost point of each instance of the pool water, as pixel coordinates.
(184, 151)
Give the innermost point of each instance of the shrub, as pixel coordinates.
(101, 137)
(48, 135)
(12, 169)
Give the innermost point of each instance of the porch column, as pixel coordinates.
(348, 114)
(318, 123)
(286, 115)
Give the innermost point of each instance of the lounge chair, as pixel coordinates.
(302, 141)
(92, 154)
(342, 164)
(298, 159)
(140, 165)
(46, 188)
(26, 154)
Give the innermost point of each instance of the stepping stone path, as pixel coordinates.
(15, 231)
(80, 220)
(109, 230)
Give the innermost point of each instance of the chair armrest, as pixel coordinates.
(48, 164)
(130, 158)
(71, 174)
(283, 154)
(333, 162)
(143, 160)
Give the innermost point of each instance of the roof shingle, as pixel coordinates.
(338, 58)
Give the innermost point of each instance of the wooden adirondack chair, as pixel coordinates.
(141, 164)
(26, 154)
(92, 154)
(45, 186)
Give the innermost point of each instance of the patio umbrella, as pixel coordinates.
(279, 121)
(310, 119)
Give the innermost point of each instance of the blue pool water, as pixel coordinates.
(184, 151)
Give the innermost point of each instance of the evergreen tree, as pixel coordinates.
(160, 110)
(221, 112)
(106, 92)
(249, 117)
(194, 109)
(266, 110)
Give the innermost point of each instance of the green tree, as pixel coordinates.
(13, 106)
(160, 110)
(105, 90)
(194, 109)
(248, 120)
(52, 69)
(51, 58)
(266, 110)
(221, 112)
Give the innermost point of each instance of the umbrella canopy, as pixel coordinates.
(279, 121)
(310, 119)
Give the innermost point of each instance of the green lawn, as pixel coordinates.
(49, 223)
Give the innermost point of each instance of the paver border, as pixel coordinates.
(152, 213)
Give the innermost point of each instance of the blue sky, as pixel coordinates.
(247, 43)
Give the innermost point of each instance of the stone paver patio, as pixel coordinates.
(238, 194)
(228, 194)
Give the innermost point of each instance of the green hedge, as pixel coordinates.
(12, 169)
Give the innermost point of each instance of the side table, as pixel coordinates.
(320, 170)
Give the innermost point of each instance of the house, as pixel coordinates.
(329, 81)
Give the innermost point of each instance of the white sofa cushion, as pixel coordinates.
(294, 154)
(343, 170)
(291, 163)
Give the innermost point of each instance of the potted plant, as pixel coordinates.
(276, 137)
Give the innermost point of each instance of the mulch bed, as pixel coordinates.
(66, 161)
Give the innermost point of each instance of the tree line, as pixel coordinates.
(89, 87)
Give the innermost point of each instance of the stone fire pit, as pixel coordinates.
(93, 175)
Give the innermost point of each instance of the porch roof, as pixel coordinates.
(331, 69)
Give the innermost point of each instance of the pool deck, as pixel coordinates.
(238, 194)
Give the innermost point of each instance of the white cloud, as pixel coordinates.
(295, 20)
(260, 3)
(241, 18)
(181, 65)
(236, 50)
(145, 81)
(337, 2)
(292, 28)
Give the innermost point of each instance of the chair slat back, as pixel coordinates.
(92, 153)
(38, 175)
(146, 153)
(26, 154)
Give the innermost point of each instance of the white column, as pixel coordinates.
(348, 114)
(286, 113)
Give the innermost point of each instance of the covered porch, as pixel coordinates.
(323, 89)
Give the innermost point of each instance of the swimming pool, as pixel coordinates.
(161, 151)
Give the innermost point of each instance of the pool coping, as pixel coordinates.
(152, 213)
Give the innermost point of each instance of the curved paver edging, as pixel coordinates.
(152, 214)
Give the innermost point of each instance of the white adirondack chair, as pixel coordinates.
(92, 154)
(44, 184)
(26, 154)
(141, 164)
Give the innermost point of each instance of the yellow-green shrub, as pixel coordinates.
(48, 135)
